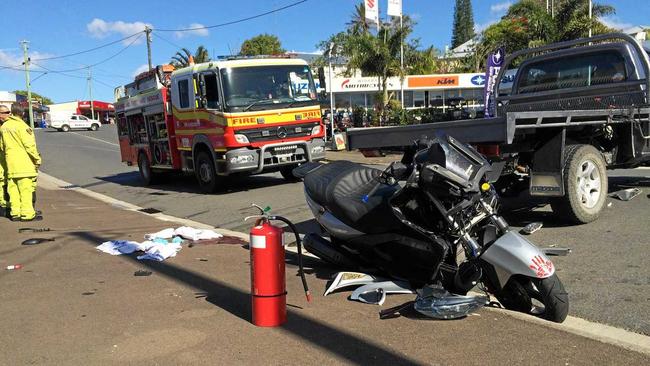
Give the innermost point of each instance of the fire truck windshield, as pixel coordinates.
(267, 87)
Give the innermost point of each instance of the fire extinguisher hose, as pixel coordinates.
(301, 271)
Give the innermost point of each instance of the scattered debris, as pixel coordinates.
(347, 279)
(438, 303)
(556, 251)
(396, 311)
(375, 293)
(609, 204)
(626, 194)
(14, 266)
(226, 239)
(33, 230)
(36, 241)
(142, 272)
(150, 210)
(531, 228)
(202, 259)
(87, 293)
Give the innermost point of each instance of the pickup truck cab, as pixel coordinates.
(75, 121)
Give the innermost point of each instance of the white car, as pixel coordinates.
(75, 122)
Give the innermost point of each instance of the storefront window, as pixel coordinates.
(358, 100)
(408, 99)
(418, 99)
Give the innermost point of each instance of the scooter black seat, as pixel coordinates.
(342, 188)
(317, 181)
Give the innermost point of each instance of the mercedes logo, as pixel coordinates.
(282, 132)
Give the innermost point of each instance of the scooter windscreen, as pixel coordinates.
(450, 160)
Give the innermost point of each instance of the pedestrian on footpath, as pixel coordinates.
(22, 161)
(4, 210)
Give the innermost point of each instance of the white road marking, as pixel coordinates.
(578, 326)
(95, 138)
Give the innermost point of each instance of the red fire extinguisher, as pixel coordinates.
(268, 282)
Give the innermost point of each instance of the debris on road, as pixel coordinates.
(33, 230)
(142, 272)
(531, 228)
(626, 194)
(14, 266)
(438, 303)
(36, 241)
(184, 232)
(375, 293)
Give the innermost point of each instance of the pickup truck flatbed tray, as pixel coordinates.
(483, 130)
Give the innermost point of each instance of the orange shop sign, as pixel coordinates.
(432, 81)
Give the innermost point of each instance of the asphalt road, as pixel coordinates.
(607, 275)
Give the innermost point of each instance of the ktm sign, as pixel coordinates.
(432, 81)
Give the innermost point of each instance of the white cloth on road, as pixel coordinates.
(160, 252)
(193, 234)
(162, 234)
(118, 247)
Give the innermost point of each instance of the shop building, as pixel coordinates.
(440, 91)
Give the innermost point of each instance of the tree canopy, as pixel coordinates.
(463, 23)
(528, 24)
(182, 57)
(44, 100)
(263, 44)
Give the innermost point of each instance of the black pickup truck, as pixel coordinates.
(573, 110)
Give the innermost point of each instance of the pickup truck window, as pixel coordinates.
(572, 72)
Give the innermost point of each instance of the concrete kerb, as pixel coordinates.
(49, 182)
(584, 328)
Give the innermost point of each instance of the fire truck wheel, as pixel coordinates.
(147, 175)
(206, 174)
(287, 173)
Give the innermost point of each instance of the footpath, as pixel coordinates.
(70, 305)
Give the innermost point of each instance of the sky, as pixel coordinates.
(63, 27)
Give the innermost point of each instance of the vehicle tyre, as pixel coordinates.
(585, 185)
(146, 173)
(65, 128)
(94, 127)
(206, 173)
(287, 172)
(525, 294)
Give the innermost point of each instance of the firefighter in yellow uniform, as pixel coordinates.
(4, 111)
(22, 161)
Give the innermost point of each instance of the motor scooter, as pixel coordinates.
(430, 219)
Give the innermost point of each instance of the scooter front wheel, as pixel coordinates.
(545, 298)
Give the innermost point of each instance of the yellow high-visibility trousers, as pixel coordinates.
(3, 202)
(21, 191)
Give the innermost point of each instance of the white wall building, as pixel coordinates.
(7, 98)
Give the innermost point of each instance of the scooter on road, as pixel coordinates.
(430, 219)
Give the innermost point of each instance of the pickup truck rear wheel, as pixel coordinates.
(206, 173)
(585, 185)
(65, 128)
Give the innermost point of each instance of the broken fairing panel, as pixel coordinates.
(438, 303)
(347, 279)
(375, 293)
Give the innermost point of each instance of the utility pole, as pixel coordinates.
(28, 83)
(591, 6)
(147, 31)
(90, 87)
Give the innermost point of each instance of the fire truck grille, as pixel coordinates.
(278, 132)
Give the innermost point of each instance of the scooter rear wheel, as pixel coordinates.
(545, 298)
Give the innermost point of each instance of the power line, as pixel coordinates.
(97, 63)
(57, 72)
(166, 40)
(89, 50)
(234, 21)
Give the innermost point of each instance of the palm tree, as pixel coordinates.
(184, 57)
(359, 24)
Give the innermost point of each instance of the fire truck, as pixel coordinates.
(221, 118)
